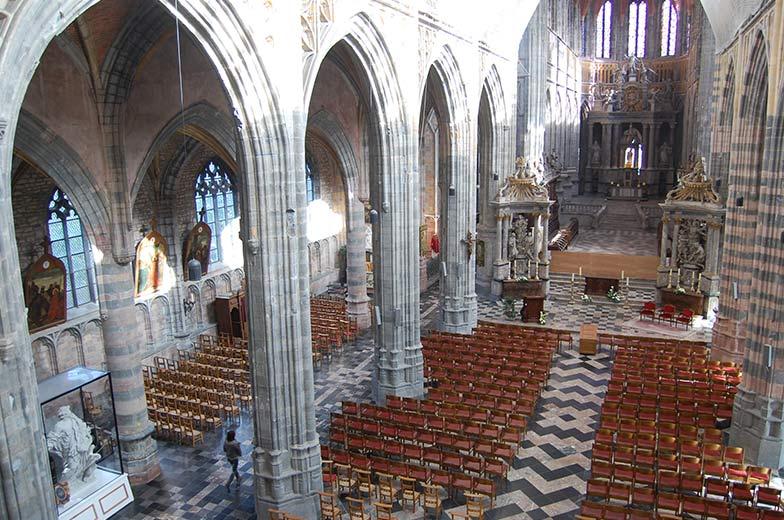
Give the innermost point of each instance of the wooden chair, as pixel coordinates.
(330, 508)
(189, 432)
(364, 483)
(384, 511)
(666, 313)
(387, 492)
(356, 509)
(409, 492)
(346, 484)
(475, 509)
(432, 500)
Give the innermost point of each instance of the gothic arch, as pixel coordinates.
(54, 157)
(201, 122)
(329, 130)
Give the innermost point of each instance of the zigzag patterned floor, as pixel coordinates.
(547, 479)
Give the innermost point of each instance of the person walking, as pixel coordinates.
(233, 452)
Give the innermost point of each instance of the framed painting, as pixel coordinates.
(197, 246)
(45, 293)
(150, 266)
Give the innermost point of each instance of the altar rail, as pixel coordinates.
(590, 215)
(650, 216)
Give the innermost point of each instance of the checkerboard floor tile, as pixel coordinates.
(546, 480)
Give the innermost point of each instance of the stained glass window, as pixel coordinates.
(69, 243)
(214, 193)
(637, 16)
(312, 181)
(603, 28)
(669, 28)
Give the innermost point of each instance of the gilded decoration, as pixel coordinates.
(694, 185)
(525, 184)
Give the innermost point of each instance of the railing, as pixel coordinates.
(596, 212)
(649, 215)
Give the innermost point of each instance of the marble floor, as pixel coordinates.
(547, 478)
(616, 241)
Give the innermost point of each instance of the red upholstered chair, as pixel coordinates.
(666, 313)
(686, 317)
(648, 310)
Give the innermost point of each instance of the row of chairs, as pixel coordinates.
(676, 347)
(672, 506)
(667, 313)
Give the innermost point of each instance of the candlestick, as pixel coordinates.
(529, 269)
(669, 280)
(699, 280)
(572, 277)
(692, 280)
(627, 281)
(622, 274)
(581, 270)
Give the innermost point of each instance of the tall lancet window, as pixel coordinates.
(637, 16)
(603, 30)
(669, 28)
(69, 243)
(214, 193)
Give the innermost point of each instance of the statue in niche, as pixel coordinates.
(665, 151)
(72, 440)
(511, 253)
(691, 252)
(596, 152)
(553, 161)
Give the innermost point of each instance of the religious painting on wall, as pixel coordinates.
(44, 291)
(151, 254)
(197, 246)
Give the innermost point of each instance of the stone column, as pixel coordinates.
(543, 252)
(286, 457)
(663, 243)
(356, 270)
(674, 253)
(122, 343)
(26, 492)
(537, 244)
(606, 138)
(396, 270)
(168, 228)
(499, 248)
(458, 287)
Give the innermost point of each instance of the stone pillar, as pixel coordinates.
(663, 243)
(286, 457)
(606, 138)
(396, 271)
(458, 287)
(544, 261)
(356, 270)
(122, 343)
(674, 253)
(499, 233)
(26, 492)
(537, 245)
(168, 228)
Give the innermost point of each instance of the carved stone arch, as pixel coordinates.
(143, 318)
(196, 314)
(92, 344)
(39, 146)
(69, 349)
(160, 317)
(201, 122)
(225, 283)
(208, 294)
(44, 357)
(328, 128)
(237, 279)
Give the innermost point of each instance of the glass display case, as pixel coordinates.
(85, 458)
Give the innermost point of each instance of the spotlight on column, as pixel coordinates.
(735, 290)
(451, 191)
(443, 269)
(768, 355)
(739, 202)
(378, 314)
(373, 216)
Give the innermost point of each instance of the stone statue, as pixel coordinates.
(596, 152)
(664, 155)
(72, 440)
(553, 161)
(690, 244)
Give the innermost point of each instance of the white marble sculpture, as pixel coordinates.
(71, 439)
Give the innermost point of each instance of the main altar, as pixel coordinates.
(521, 268)
(630, 133)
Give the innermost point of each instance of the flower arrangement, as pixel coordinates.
(542, 318)
(680, 290)
(586, 299)
(613, 295)
(509, 308)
